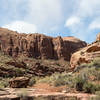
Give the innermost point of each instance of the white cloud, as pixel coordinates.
(72, 21)
(49, 15)
(94, 25)
(21, 27)
(44, 13)
(85, 18)
(88, 8)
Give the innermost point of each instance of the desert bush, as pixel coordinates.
(84, 83)
(80, 81)
(89, 87)
(4, 83)
(19, 72)
(86, 86)
(91, 73)
(95, 62)
(60, 81)
(97, 97)
(32, 81)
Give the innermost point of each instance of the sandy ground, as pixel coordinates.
(39, 90)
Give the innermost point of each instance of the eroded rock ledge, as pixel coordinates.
(86, 54)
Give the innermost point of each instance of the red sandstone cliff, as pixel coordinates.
(38, 45)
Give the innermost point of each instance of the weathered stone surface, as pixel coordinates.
(19, 82)
(42, 70)
(38, 45)
(17, 64)
(98, 37)
(19, 94)
(85, 55)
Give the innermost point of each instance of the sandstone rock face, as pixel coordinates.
(38, 45)
(85, 55)
(98, 37)
(19, 82)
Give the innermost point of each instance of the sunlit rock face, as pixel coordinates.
(87, 54)
(38, 45)
(98, 37)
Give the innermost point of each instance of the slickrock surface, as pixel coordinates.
(38, 45)
(32, 94)
(98, 37)
(87, 54)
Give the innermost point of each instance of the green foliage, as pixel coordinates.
(19, 72)
(89, 87)
(4, 83)
(95, 63)
(57, 79)
(97, 96)
(32, 81)
(80, 81)
(84, 81)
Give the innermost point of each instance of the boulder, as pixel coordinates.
(85, 55)
(19, 82)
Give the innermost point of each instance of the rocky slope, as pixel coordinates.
(38, 45)
(87, 54)
(24, 66)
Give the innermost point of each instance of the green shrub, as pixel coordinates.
(95, 62)
(4, 83)
(32, 81)
(19, 72)
(89, 87)
(97, 96)
(80, 81)
(59, 81)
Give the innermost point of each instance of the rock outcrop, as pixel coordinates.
(38, 45)
(87, 54)
(19, 82)
(98, 37)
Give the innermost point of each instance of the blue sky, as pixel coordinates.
(79, 18)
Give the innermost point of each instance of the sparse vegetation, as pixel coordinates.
(4, 83)
(80, 81)
(89, 87)
(32, 81)
(85, 79)
(23, 94)
(55, 98)
(97, 97)
(19, 72)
